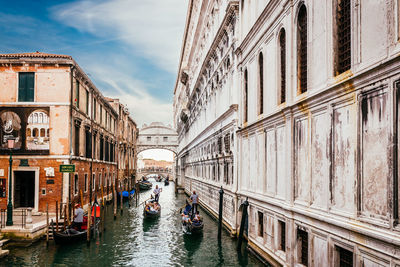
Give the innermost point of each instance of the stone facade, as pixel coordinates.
(57, 116)
(314, 137)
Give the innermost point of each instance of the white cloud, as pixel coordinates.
(153, 28)
(143, 107)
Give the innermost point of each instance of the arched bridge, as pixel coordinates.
(164, 172)
(157, 136)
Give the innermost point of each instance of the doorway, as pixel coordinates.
(24, 189)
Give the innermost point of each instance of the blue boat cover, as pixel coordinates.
(125, 193)
(187, 209)
(132, 192)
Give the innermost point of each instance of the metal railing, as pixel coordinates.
(19, 217)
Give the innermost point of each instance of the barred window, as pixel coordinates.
(302, 49)
(302, 237)
(345, 257)
(343, 35)
(282, 48)
(245, 95)
(261, 82)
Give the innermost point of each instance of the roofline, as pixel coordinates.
(185, 34)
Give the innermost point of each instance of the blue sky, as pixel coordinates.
(129, 48)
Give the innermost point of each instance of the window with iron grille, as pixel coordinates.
(88, 143)
(245, 95)
(227, 143)
(302, 49)
(345, 257)
(261, 82)
(282, 47)
(302, 237)
(344, 35)
(282, 229)
(219, 145)
(86, 182)
(76, 183)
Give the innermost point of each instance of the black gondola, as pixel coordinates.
(150, 213)
(189, 225)
(166, 182)
(69, 236)
(145, 185)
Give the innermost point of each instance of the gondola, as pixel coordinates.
(145, 185)
(191, 227)
(69, 236)
(149, 213)
(166, 182)
(127, 195)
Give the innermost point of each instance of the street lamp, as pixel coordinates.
(10, 145)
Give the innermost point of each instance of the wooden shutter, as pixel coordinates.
(26, 87)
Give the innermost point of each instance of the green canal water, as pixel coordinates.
(131, 240)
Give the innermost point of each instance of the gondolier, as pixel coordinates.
(78, 217)
(195, 199)
(157, 192)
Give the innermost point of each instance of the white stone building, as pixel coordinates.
(315, 133)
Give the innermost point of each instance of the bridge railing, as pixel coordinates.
(155, 169)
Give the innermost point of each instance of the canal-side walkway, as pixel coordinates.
(132, 240)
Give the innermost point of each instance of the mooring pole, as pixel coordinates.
(122, 204)
(115, 201)
(221, 202)
(245, 204)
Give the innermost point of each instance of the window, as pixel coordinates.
(282, 235)
(94, 108)
(302, 49)
(343, 35)
(93, 181)
(77, 133)
(282, 57)
(165, 139)
(76, 100)
(261, 82)
(107, 156)
(148, 138)
(88, 144)
(260, 223)
(344, 257)
(26, 86)
(100, 180)
(76, 184)
(94, 145)
(87, 102)
(86, 182)
(245, 95)
(302, 244)
(101, 114)
(101, 147)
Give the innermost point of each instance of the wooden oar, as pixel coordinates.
(144, 201)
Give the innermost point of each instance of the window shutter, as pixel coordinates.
(26, 87)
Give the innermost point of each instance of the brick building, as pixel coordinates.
(57, 116)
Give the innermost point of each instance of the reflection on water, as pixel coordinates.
(132, 240)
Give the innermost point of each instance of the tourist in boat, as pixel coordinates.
(185, 219)
(197, 217)
(78, 217)
(195, 199)
(157, 192)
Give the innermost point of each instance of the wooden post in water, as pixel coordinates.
(221, 202)
(88, 223)
(242, 223)
(47, 223)
(67, 213)
(81, 199)
(102, 197)
(137, 193)
(115, 201)
(122, 204)
(57, 216)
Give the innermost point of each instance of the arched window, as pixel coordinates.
(35, 132)
(282, 58)
(261, 82)
(245, 96)
(48, 132)
(302, 49)
(28, 132)
(42, 132)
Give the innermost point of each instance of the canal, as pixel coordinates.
(131, 240)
